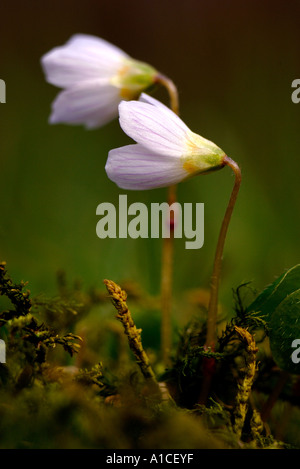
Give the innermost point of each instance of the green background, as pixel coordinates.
(233, 63)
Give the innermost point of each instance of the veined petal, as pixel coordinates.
(198, 153)
(83, 57)
(91, 103)
(135, 167)
(154, 126)
(195, 144)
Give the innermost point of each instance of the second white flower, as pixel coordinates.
(95, 76)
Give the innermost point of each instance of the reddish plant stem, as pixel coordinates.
(168, 245)
(211, 334)
(172, 90)
(166, 285)
(215, 278)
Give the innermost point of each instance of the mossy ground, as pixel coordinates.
(70, 379)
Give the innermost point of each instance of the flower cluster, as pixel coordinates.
(99, 81)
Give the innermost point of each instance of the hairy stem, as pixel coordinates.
(215, 279)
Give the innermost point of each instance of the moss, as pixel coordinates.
(59, 389)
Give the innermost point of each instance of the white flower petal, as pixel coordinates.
(134, 167)
(91, 103)
(145, 98)
(169, 114)
(154, 126)
(87, 41)
(83, 57)
(194, 143)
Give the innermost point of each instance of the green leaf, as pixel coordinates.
(266, 303)
(284, 329)
(279, 306)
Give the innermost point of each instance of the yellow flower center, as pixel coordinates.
(202, 155)
(133, 78)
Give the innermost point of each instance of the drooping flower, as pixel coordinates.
(167, 151)
(95, 76)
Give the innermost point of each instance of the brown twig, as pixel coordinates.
(118, 298)
(246, 379)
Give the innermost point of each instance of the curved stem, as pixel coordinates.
(172, 90)
(166, 284)
(168, 244)
(215, 279)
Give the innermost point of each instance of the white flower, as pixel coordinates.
(167, 151)
(95, 76)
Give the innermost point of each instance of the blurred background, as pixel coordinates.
(233, 63)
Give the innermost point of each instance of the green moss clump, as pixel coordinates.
(71, 380)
